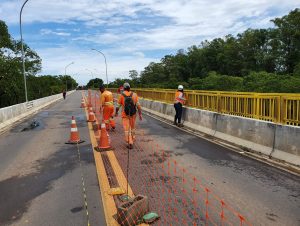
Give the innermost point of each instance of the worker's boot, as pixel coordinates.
(175, 123)
(130, 146)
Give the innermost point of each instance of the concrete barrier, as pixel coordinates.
(276, 141)
(11, 114)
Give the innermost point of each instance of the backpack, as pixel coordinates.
(129, 105)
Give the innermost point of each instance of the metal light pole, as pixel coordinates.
(22, 48)
(66, 74)
(105, 64)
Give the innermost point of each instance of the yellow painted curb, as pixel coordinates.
(108, 201)
(109, 205)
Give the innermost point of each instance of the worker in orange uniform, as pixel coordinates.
(178, 102)
(130, 105)
(107, 104)
(120, 89)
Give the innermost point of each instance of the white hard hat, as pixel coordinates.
(180, 87)
(126, 85)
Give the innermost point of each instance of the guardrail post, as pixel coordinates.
(256, 106)
(277, 107)
(283, 110)
(218, 102)
(166, 96)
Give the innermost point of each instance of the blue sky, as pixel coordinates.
(130, 33)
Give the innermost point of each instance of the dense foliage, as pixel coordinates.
(94, 83)
(11, 75)
(258, 60)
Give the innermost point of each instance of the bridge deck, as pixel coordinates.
(41, 178)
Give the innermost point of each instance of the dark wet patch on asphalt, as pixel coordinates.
(68, 124)
(86, 153)
(76, 209)
(271, 216)
(80, 122)
(160, 158)
(161, 178)
(60, 115)
(16, 193)
(146, 162)
(34, 124)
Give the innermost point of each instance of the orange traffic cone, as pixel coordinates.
(83, 103)
(92, 117)
(104, 143)
(89, 99)
(74, 136)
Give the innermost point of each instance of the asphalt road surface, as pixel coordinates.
(41, 176)
(263, 194)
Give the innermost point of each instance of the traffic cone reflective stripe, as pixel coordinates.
(104, 143)
(92, 117)
(83, 103)
(74, 135)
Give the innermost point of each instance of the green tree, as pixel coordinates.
(261, 60)
(95, 83)
(11, 73)
(288, 34)
(68, 82)
(133, 74)
(118, 82)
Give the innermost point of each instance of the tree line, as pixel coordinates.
(11, 73)
(257, 60)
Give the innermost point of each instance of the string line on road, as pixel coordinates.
(83, 187)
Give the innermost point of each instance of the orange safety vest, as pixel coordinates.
(178, 99)
(121, 101)
(107, 98)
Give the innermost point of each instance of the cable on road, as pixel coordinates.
(83, 187)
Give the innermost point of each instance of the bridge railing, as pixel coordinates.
(281, 108)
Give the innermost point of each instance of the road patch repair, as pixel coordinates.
(31, 126)
(121, 206)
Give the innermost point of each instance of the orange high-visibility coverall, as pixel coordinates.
(129, 121)
(107, 102)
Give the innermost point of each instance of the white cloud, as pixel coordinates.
(55, 60)
(134, 27)
(50, 32)
(99, 38)
(182, 12)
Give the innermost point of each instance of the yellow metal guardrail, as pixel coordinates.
(275, 107)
